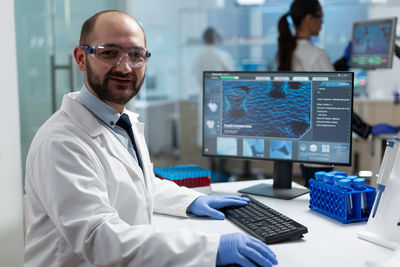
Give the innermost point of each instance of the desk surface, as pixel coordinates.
(328, 243)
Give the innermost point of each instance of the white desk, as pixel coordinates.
(328, 243)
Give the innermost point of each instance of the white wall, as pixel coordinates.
(11, 198)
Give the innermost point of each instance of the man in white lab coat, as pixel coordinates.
(90, 181)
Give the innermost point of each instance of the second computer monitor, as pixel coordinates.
(373, 43)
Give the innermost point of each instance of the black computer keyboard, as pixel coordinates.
(264, 223)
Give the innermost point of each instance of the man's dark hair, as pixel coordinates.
(88, 26)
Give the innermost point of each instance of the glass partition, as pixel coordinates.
(46, 33)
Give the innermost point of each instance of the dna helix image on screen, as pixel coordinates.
(270, 108)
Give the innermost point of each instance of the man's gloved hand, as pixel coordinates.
(244, 250)
(383, 128)
(209, 205)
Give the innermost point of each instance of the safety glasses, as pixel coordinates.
(113, 54)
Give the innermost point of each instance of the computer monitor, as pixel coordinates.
(285, 117)
(373, 43)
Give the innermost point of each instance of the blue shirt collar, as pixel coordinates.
(98, 108)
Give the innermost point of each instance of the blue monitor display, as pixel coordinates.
(280, 116)
(373, 43)
(303, 117)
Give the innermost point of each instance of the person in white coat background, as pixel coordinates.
(296, 27)
(297, 53)
(89, 178)
(211, 58)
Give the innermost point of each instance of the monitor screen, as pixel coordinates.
(280, 116)
(373, 43)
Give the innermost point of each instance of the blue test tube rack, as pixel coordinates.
(332, 201)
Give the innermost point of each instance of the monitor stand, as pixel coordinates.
(247, 173)
(282, 185)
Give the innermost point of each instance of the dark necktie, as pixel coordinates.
(126, 124)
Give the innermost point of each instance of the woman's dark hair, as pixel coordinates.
(286, 41)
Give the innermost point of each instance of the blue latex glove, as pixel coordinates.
(209, 205)
(347, 52)
(383, 128)
(244, 250)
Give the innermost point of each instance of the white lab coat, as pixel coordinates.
(211, 58)
(308, 57)
(90, 205)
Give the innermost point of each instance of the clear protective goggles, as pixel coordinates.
(113, 54)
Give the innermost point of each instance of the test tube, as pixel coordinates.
(352, 177)
(341, 173)
(319, 176)
(359, 184)
(345, 184)
(336, 179)
(328, 178)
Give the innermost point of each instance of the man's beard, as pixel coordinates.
(101, 87)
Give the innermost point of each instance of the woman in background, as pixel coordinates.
(297, 53)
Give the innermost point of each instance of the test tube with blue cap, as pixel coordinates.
(341, 173)
(386, 169)
(352, 177)
(345, 184)
(319, 176)
(337, 178)
(359, 184)
(328, 178)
